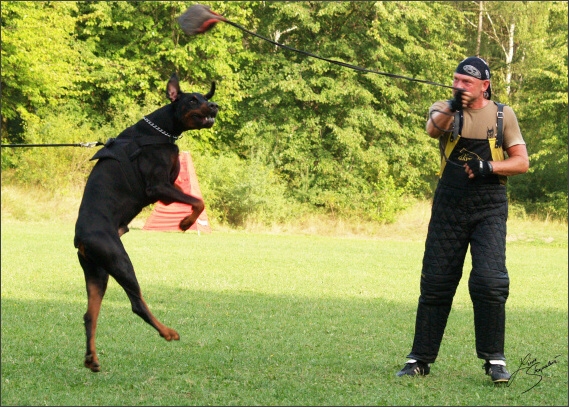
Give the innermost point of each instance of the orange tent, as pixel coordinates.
(168, 217)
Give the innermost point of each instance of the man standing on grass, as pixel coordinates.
(470, 208)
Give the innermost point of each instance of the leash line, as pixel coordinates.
(333, 61)
(89, 144)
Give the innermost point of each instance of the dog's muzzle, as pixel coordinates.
(205, 121)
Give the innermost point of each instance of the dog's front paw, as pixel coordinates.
(187, 222)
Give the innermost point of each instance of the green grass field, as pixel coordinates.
(270, 319)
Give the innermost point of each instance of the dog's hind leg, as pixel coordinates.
(129, 283)
(115, 260)
(96, 280)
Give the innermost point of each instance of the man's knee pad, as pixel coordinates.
(489, 286)
(438, 289)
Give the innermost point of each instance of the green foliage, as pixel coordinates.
(240, 192)
(334, 140)
(542, 108)
(38, 51)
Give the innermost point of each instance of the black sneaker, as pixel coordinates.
(498, 373)
(417, 368)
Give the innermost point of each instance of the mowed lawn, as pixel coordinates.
(269, 319)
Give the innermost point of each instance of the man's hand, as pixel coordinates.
(456, 103)
(476, 168)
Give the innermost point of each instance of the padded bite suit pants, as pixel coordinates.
(472, 215)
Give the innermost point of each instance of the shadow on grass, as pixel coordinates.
(248, 348)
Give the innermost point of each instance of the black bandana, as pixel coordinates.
(477, 68)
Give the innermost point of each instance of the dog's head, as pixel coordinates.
(194, 110)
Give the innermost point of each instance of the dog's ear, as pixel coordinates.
(173, 91)
(211, 92)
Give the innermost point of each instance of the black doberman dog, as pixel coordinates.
(135, 169)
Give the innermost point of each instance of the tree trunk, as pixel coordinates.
(480, 19)
(510, 57)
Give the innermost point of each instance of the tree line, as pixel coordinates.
(293, 132)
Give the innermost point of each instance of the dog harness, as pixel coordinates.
(127, 147)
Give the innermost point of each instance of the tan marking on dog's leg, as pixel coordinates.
(122, 230)
(93, 308)
(165, 332)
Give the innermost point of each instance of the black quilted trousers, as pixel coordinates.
(475, 216)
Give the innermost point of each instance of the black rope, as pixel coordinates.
(87, 144)
(435, 124)
(357, 68)
(441, 148)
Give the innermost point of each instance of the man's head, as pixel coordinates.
(477, 68)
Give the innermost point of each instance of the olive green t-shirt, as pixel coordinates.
(481, 123)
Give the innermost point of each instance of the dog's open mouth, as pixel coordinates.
(208, 120)
(205, 121)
